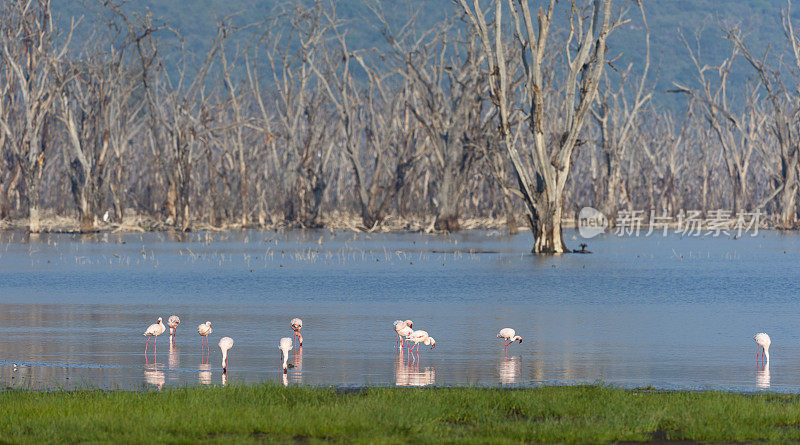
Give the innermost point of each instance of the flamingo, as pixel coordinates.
(403, 329)
(173, 323)
(420, 337)
(763, 342)
(285, 347)
(204, 329)
(296, 325)
(154, 330)
(225, 344)
(509, 336)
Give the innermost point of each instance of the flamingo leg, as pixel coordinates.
(155, 346)
(145, 345)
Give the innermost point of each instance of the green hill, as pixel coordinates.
(196, 21)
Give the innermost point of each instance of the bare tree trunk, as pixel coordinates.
(28, 42)
(543, 176)
(789, 192)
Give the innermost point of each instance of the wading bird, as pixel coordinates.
(204, 330)
(173, 323)
(420, 337)
(225, 344)
(296, 325)
(763, 342)
(285, 347)
(403, 329)
(509, 336)
(154, 330)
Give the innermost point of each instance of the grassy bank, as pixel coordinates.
(258, 413)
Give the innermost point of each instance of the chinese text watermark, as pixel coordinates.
(592, 222)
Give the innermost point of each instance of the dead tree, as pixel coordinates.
(448, 97)
(738, 134)
(353, 107)
(82, 95)
(174, 113)
(236, 100)
(543, 174)
(784, 106)
(10, 170)
(31, 49)
(303, 114)
(617, 114)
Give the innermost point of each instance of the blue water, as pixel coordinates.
(668, 312)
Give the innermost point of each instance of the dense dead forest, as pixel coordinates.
(507, 114)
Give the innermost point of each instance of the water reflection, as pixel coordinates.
(509, 370)
(224, 378)
(407, 373)
(297, 361)
(204, 375)
(285, 379)
(154, 376)
(174, 359)
(762, 377)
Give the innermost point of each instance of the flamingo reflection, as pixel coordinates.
(762, 377)
(204, 375)
(154, 376)
(174, 358)
(509, 370)
(408, 374)
(297, 359)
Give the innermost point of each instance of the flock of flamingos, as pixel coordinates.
(404, 330)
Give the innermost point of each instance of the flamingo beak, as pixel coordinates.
(433, 346)
(520, 341)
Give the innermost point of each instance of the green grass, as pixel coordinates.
(270, 413)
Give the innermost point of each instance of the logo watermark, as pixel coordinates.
(592, 222)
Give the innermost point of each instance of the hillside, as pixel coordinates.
(196, 21)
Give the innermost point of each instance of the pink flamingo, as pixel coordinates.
(225, 345)
(154, 330)
(204, 330)
(509, 336)
(763, 341)
(403, 329)
(420, 337)
(296, 325)
(173, 323)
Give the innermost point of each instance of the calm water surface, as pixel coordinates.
(666, 312)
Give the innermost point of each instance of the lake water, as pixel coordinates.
(675, 313)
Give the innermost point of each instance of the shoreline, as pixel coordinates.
(392, 224)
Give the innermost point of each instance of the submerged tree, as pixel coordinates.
(543, 168)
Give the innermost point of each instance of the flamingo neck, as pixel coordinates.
(766, 354)
(224, 356)
(285, 358)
